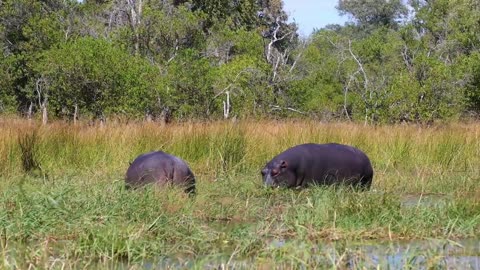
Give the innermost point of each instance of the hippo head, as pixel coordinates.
(276, 174)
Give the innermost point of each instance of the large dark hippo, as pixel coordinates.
(322, 164)
(161, 168)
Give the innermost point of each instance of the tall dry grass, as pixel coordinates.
(398, 153)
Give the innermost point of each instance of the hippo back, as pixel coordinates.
(159, 167)
(328, 164)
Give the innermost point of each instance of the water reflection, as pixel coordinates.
(415, 200)
(418, 254)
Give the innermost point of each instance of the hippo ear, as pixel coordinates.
(283, 164)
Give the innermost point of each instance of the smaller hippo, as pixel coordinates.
(321, 164)
(161, 168)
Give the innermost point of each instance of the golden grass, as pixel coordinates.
(406, 158)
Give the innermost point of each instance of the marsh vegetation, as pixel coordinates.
(74, 211)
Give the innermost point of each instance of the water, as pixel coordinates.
(417, 254)
(415, 200)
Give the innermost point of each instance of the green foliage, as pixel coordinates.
(383, 77)
(104, 58)
(190, 84)
(320, 90)
(8, 103)
(241, 77)
(236, 14)
(472, 90)
(165, 31)
(98, 77)
(376, 13)
(425, 187)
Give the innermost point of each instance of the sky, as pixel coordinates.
(309, 14)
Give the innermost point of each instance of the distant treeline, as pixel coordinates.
(395, 61)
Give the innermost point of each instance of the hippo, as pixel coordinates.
(320, 164)
(161, 168)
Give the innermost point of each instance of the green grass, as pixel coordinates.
(76, 212)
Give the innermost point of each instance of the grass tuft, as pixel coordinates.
(28, 144)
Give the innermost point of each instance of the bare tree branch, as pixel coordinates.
(365, 80)
(276, 108)
(275, 38)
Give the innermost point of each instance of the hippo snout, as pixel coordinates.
(268, 181)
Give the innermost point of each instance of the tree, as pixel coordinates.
(165, 31)
(29, 28)
(240, 83)
(318, 89)
(236, 14)
(374, 13)
(449, 30)
(190, 78)
(97, 78)
(8, 103)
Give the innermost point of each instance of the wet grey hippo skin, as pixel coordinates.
(321, 164)
(161, 168)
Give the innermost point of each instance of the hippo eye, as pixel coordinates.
(274, 172)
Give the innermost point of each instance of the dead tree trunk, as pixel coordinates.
(148, 117)
(367, 91)
(279, 59)
(75, 114)
(226, 106)
(165, 116)
(44, 113)
(102, 120)
(135, 7)
(30, 111)
(42, 95)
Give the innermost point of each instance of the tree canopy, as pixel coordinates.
(394, 61)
